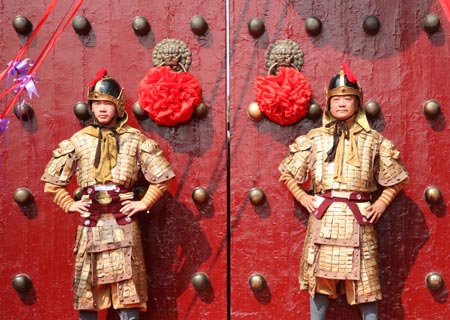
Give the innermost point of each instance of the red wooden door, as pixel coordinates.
(401, 67)
(228, 238)
(180, 237)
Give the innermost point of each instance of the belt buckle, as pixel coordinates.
(105, 187)
(103, 197)
(340, 194)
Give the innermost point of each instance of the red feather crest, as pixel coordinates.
(100, 74)
(348, 72)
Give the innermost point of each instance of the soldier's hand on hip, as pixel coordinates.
(375, 211)
(309, 202)
(82, 207)
(130, 207)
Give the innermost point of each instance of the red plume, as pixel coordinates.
(350, 76)
(100, 74)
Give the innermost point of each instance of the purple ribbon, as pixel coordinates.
(28, 81)
(3, 125)
(20, 69)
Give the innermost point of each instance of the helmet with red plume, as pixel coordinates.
(103, 87)
(342, 84)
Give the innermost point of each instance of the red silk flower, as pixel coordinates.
(285, 97)
(169, 97)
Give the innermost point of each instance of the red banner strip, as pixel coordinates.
(48, 47)
(30, 39)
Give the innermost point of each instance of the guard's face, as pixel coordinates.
(105, 112)
(343, 107)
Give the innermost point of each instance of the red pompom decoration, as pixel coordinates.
(285, 97)
(169, 97)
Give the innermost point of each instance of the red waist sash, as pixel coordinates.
(104, 201)
(351, 200)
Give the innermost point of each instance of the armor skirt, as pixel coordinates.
(338, 248)
(109, 266)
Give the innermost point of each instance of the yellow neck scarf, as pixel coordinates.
(340, 134)
(107, 150)
(352, 156)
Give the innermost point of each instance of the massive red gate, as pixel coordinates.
(229, 239)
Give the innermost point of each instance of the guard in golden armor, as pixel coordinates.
(107, 158)
(346, 162)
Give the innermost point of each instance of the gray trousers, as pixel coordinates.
(319, 305)
(125, 314)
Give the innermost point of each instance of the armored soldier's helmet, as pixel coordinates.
(106, 88)
(342, 84)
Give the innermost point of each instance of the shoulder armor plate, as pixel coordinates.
(296, 162)
(63, 148)
(60, 168)
(151, 147)
(155, 166)
(301, 143)
(391, 169)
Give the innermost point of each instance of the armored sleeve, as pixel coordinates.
(154, 165)
(391, 170)
(60, 168)
(296, 162)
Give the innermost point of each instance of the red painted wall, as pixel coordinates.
(401, 67)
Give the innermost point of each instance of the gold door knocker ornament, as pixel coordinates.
(172, 53)
(168, 93)
(283, 53)
(284, 95)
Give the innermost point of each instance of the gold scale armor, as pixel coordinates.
(109, 253)
(337, 246)
(79, 152)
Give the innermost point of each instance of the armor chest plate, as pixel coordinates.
(357, 178)
(124, 173)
